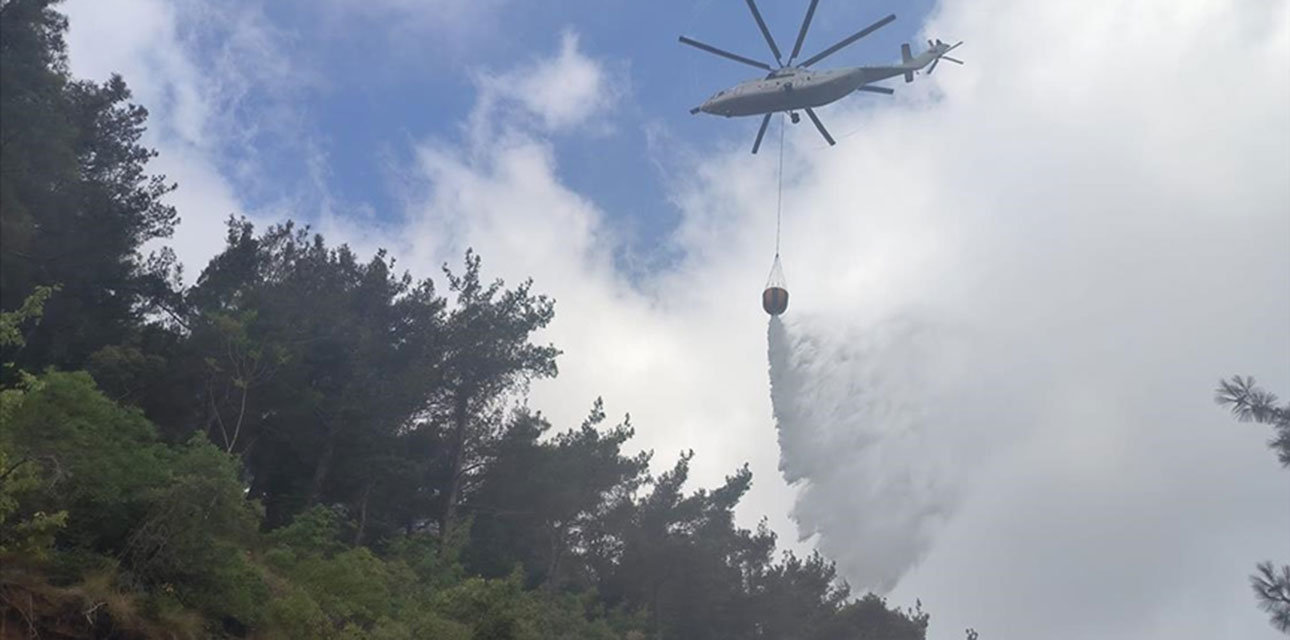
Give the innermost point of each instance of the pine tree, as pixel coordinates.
(76, 201)
(1251, 403)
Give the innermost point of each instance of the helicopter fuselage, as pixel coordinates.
(790, 89)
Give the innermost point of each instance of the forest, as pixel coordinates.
(308, 443)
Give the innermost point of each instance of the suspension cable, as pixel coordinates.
(779, 198)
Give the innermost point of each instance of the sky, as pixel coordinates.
(1014, 284)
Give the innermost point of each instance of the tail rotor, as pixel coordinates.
(939, 49)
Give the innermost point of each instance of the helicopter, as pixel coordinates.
(793, 86)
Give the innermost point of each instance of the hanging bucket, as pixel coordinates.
(774, 299)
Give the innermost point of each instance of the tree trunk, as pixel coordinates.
(460, 419)
(321, 470)
(557, 553)
(362, 514)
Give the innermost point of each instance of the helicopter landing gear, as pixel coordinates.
(794, 117)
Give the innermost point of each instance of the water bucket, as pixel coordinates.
(774, 299)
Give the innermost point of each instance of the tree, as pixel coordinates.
(240, 366)
(488, 358)
(318, 367)
(536, 499)
(76, 202)
(271, 459)
(681, 559)
(1273, 589)
(30, 534)
(97, 459)
(1251, 403)
(798, 598)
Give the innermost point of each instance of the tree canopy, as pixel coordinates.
(309, 443)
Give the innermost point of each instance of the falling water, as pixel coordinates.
(851, 409)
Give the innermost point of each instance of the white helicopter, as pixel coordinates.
(792, 87)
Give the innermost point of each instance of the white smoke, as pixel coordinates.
(853, 409)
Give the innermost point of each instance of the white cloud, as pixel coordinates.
(559, 93)
(563, 91)
(638, 348)
(1098, 236)
(448, 30)
(1091, 219)
(194, 66)
(1090, 237)
(448, 13)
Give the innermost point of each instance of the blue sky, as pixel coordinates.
(1013, 284)
(378, 85)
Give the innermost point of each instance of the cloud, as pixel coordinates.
(647, 346)
(634, 345)
(1071, 232)
(1089, 238)
(563, 91)
(410, 30)
(214, 78)
(559, 93)
(445, 16)
(1018, 281)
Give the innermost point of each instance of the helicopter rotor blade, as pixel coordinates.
(761, 24)
(955, 60)
(875, 89)
(859, 34)
(725, 54)
(801, 34)
(933, 67)
(761, 132)
(818, 125)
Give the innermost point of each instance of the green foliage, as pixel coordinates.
(536, 498)
(353, 586)
(293, 614)
(313, 532)
(195, 534)
(30, 535)
(97, 460)
(501, 609)
(176, 518)
(495, 608)
(488, 356)
(314, 445)
(303, 352)
(434, 560)
(592, 549)
(33, 307)
(76, 203)
(19, 475)
(348, 585)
